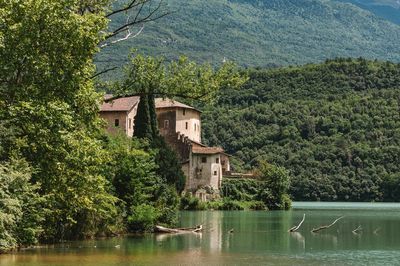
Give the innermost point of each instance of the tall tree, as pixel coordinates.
(143, 127)
(46, 53)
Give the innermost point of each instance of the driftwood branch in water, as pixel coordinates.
(161, 229)
(355, 231)
(297, 227)
(315, 230)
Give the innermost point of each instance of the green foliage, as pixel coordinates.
(189, 202)
(46, 92)
(386, 9)
(143, 217)
(20, 206)
(276, 181)
(146, 75)
(263, 33)
(261, 193)
(143, 124)
(133, 172)
(334, 126)
(169, 165)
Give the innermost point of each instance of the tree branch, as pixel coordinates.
(325, 226)
(148, 18)
(355, 231)
(128, 35)
(198, 97)
(132, 4)
(103, 72)
(297, 227)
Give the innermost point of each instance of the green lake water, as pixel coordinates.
(258, 238)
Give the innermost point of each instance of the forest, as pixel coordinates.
(335, 126)
(318, 132)
(62, 177)
(262, 33)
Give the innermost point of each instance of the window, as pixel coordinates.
(215, 173)
(217, 160)
(184, 111)
(116, 122)
(130, 122)
(166, 124)
(204, 159)
(187, 125)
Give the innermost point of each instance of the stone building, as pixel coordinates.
(173, 116)
(180, 125)
(120, 114)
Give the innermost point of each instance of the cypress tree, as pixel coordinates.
(153, 116)
(143, 127)
(169, 164)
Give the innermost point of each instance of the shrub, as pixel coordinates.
(20, 206)
(143, 218)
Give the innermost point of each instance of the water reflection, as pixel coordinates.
(242, 238)
(300, 239)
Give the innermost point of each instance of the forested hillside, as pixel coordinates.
(335, 126)
(261, 33)
(387, 9)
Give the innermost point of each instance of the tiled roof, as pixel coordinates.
(121, 104)
(127, 103)
(207, 150)
(168, 103)
(195, 143)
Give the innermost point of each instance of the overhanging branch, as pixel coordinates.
(103, 72)
(131, 5)
(152, 15)
(192, 97)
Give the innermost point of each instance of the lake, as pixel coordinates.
(258, 238)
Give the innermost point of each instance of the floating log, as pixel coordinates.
(297, 227)
(162, 229)
(315, 230)
(355, 231)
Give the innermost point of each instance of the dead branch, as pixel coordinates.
(297, 227)
(126, 37)
(315, 230)
(152, 15)
(377, 230)
(162, 229)
(355, 231)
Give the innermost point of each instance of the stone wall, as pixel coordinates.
(110, 118)
(126, 121)
(205, 174)
(188, 123)
(166, 119)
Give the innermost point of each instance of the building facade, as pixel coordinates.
(180, 125)
(120, 114)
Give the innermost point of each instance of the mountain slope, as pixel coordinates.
(335, 126)
(262, 33)
(386, 9)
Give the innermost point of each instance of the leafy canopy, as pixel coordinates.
(181, 78)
